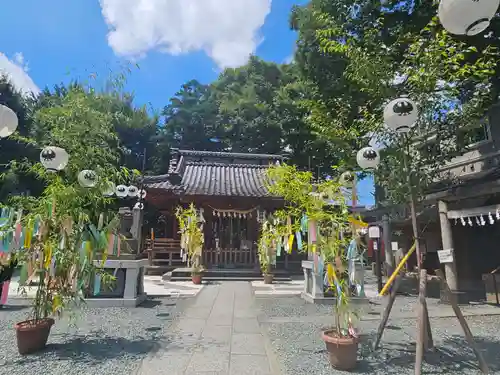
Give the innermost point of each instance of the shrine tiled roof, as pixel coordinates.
(215, 174)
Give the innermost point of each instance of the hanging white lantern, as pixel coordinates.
(141, 193)
(8, 121)
(54, 158)
(87, 178)
(467, 17)
(121, 191)
(368, 158)
(109, 189)
(347, 178)
(401, 115)
(138, 206)
(132, 191)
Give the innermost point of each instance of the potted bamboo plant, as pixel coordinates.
(59, 237)
(267, 250)
(192, 239)
(57, 253)
(324, 204)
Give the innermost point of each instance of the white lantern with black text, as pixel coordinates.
(347, 178)
(121, 191)
(54, 158)
(467, 17)
(401, 115)
(87, 178)
(368, 158)
(141, 194)
(8, 121)
(132, 191)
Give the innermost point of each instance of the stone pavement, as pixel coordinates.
(217, 335)
(156, 286)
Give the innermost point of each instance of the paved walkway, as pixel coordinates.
(217, 335)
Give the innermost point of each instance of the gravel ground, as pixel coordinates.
(301, 351)
(91, 341)
(298, 307)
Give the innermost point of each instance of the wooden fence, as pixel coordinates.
(230, 257)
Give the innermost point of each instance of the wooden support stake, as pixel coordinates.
(468, 334)
(421, 323)
(387, 312)
(429, 341)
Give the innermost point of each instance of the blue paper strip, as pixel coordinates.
(97, 285)
(298, 235)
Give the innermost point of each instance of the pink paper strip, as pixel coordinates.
(119, 245)
(312, 231)
(111, 240)
(17, 233)
(5, 292)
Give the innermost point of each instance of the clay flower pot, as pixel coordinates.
(342, 351)
(196, 278)
(32, 335)
(268, 278)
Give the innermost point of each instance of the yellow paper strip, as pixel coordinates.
(48, 256)
(290, 243)
(357, 222)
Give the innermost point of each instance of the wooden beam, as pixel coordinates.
(421, 323)
(477, 211)
(468, 334)
(464, 192)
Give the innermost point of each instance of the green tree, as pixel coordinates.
(361, 55)
(16, 182)
(256, 108)
(190, 119)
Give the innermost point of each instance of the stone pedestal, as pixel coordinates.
(128, 290)
(313, 285)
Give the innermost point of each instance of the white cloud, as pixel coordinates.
(227, 30)
(17, 71)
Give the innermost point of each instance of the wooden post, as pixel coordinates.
(468, 334)
(386, 235)
(429, 341)
(447, 241)
(421, 323)
(387, 312)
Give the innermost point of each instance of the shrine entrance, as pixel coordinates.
(232, 239)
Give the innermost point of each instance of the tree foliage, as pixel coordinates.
(359, 56)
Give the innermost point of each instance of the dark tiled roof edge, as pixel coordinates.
(229, 154)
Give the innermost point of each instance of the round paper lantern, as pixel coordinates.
(138, 206)
(347, 178)
(87, 178)
(368, 158)
(141, 193)
(401, 115)
(54, 158)
(8, 121)
(108, 189)
(132, 191)
(467, 17)
(121, 191)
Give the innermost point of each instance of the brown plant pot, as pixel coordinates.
(342, 351)
(268, 278)
(196, 279)
(32, 335)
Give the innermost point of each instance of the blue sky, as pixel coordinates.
(50, 41)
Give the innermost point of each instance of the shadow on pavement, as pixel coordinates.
(451, 355)
(92, 350)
